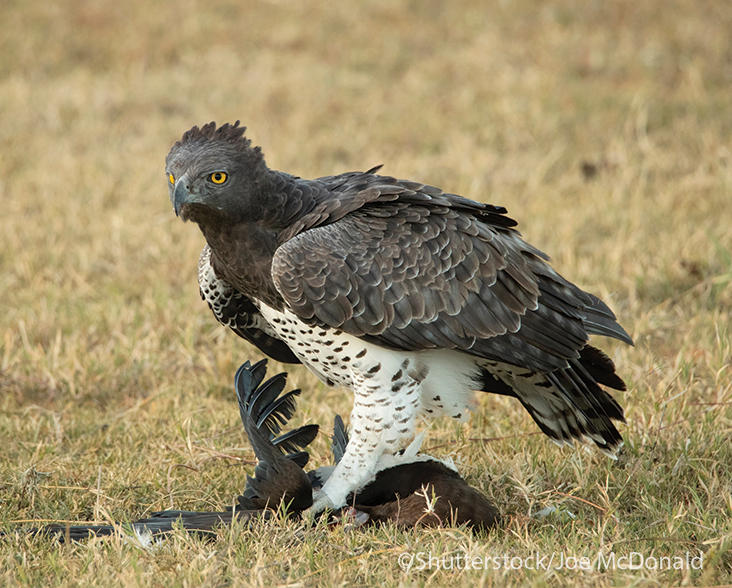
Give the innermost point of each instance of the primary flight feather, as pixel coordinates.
(411, 297)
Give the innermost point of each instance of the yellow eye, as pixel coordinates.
(171, 178)
(218, 177)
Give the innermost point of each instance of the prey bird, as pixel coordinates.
(411, 297)
(408, 488)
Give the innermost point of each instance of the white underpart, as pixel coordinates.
(392, 390)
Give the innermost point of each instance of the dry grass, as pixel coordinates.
(604, 128)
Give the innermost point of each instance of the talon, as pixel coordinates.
(352, 518)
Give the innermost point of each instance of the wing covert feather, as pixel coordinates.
(411, 276)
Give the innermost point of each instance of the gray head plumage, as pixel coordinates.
(226, 133)
(211, 171)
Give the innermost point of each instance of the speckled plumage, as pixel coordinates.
(409, 296)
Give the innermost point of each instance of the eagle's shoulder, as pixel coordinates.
(328, 199)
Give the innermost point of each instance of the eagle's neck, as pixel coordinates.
(242, 255)
(243, 247)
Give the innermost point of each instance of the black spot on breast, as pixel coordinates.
(375, 369)
(361, 353)
(437, 399)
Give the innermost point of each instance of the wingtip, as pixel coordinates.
(624, 336)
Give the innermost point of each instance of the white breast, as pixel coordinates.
(446, 378)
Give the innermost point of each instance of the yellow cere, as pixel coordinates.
(218, 177)
(171, 178)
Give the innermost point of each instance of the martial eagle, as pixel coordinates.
(410, 296)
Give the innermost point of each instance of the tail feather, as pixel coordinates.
(157, 524)
(590, 407)
(598, 366)
(569, 403)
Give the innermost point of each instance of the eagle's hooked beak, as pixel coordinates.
(180, 194)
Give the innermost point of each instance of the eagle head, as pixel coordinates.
(215, 172)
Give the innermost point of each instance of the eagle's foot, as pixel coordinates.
(321, 502)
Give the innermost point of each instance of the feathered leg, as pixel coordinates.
(383, 420)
